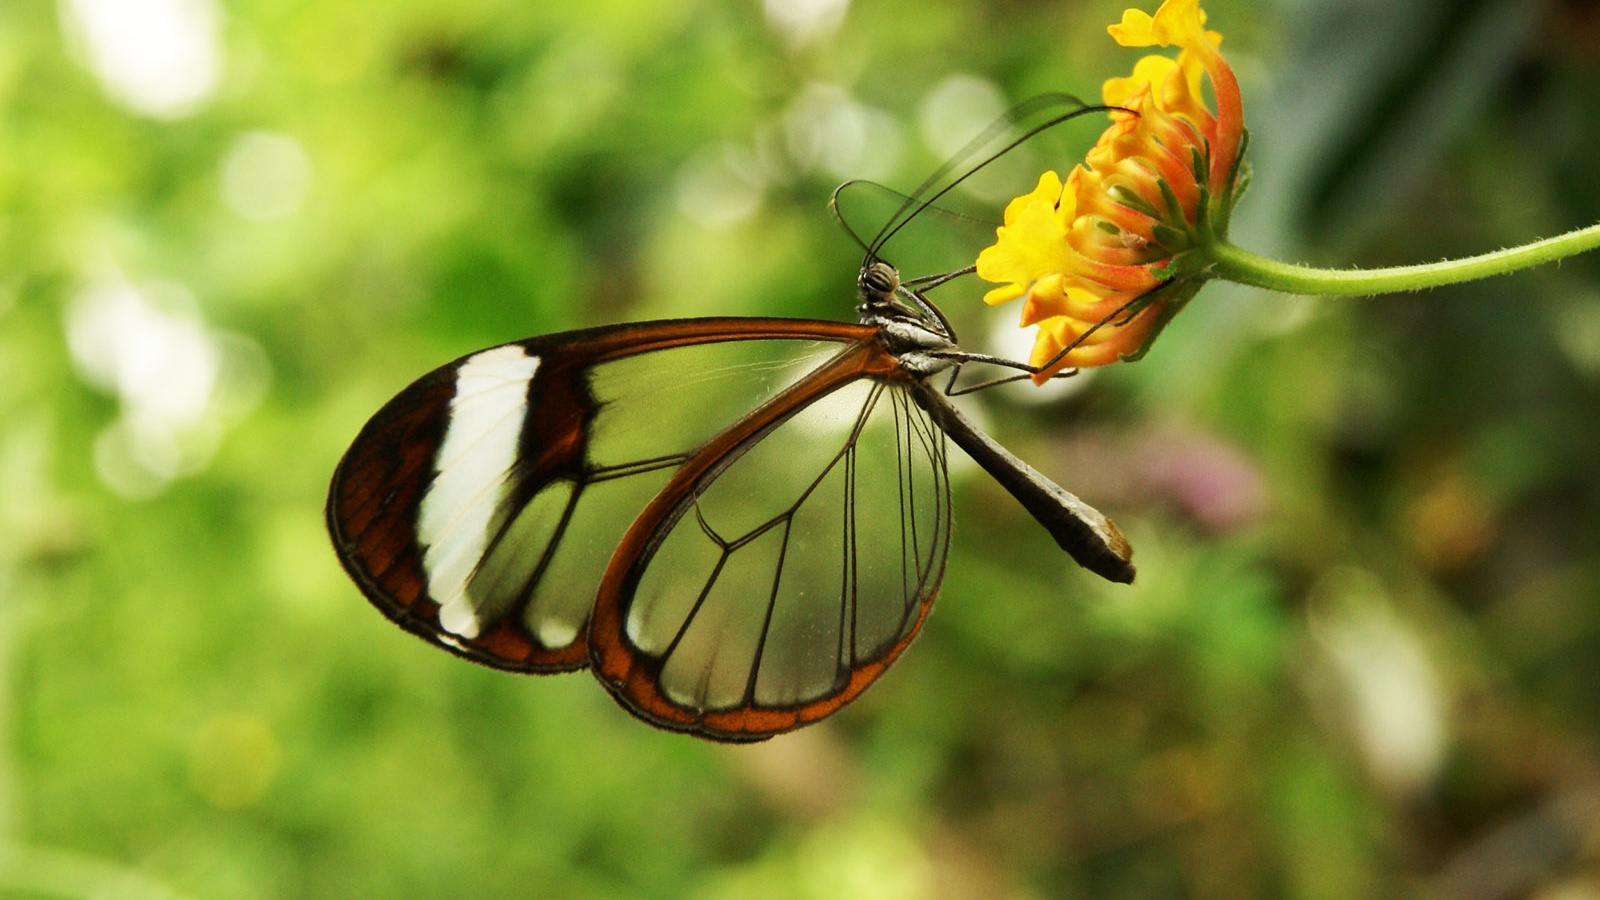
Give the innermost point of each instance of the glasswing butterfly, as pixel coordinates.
(736, 523)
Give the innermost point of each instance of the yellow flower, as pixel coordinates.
(1100, 257)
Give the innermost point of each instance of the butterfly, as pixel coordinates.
(737, 524)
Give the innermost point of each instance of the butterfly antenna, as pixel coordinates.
(1022, 111)
(920, 200)
(836, 209)
(838, 216)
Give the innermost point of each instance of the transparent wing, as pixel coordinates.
(783, 567)
(480, 507)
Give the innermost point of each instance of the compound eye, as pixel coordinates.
(880, 278)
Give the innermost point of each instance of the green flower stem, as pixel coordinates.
(1233, 264)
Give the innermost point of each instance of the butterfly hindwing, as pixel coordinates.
(786, 563)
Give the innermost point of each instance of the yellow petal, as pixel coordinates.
(1193, 69)
(1177, 23)
(1045, 299)
(1033, 241)
(1147, 71)
(1048, 192)
(1135, 30)
(1003, 294)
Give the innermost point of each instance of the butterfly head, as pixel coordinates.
(881, 298)
(877, 283)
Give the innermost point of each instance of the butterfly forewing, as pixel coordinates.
(480, 507)
(784, 565)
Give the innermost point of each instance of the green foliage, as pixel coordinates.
(1361, 648)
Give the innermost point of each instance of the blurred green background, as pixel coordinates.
(1363, 654)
